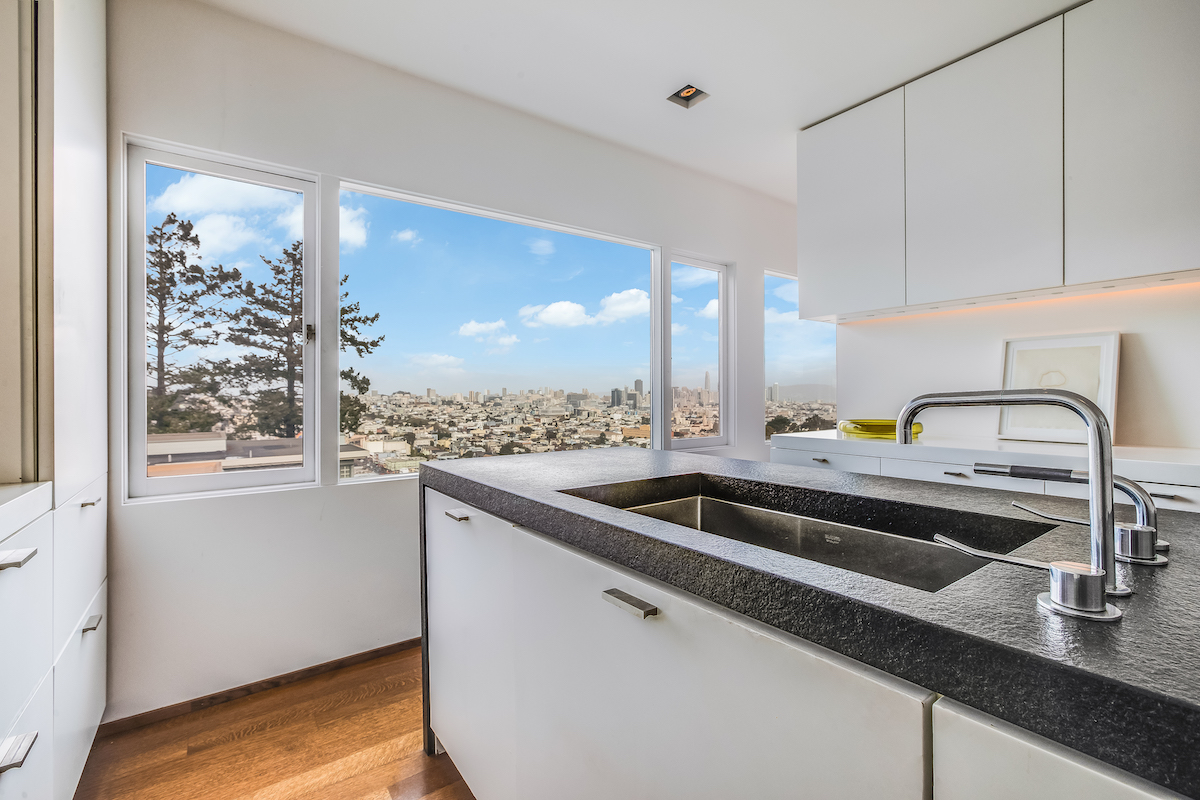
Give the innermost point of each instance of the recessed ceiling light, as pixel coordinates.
(688, 96)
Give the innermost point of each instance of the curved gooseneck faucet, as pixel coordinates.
(1100, 477)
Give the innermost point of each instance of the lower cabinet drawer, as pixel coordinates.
(866, 465)
(1167, 496)
(960, 474)
(80, 556)
(79, 694)
(979, 757)
(35, 779)
(26, 613)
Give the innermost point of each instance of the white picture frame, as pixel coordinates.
(1085, 363)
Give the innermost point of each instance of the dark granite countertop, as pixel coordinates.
(1127, 693)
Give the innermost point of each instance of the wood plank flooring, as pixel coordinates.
(350, 734)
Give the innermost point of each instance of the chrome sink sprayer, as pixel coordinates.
(1100, 479)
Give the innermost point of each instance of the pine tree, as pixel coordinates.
(183, 300)
(350, 337)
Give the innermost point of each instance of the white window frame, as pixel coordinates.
(724, 373)
(137, 484)
(659, 310)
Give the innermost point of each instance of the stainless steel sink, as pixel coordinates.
(882, 538)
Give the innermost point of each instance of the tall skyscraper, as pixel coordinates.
(707, 386)
(637, 386)
(430, 393)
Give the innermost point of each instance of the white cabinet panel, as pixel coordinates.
(35, 779)
(693, 702)
(983, 150)
(1132, 164)
(979, 757)
(960, 474)
(850, 210)
(472, 655)
(866, 465)
(26, 614)
(1166, 496)
(79, 696)
(80, 556)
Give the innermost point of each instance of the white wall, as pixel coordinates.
(209, 594)
(883, 364)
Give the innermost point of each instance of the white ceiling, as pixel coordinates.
(605, 67)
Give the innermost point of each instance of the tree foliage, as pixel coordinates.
(351, 337)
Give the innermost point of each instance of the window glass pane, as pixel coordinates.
(224, 324)
(695, 351)
(800, 363)
(464, 337)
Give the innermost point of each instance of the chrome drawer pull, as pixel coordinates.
(87, 503)
(93, 622)
(821, 460)
(954, 474)
(16, 558)
(1163, 496)
(459, 514)
(15, 749)
(627, 602)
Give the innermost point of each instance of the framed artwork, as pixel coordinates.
(1082, 363)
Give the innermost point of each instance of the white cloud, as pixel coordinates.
(788, 291)
(439, 361)
(352, 227)
(710, 311)
(541, 247)
(562, 314)
(293, 220)
(676, 299)
(677, 329)
(504, 344)
(196, 195)
(225, 233)
(773, 316)
(407, 236)
(474, 328)
(624, 305)
(708, 337)
(691, 277)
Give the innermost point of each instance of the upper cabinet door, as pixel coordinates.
(850, 182)
(983, 149)
(1132, 114)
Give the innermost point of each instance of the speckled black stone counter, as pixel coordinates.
(1127, 693)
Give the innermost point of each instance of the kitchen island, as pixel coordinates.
(1127, 693)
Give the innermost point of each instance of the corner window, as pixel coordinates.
(698, 354)
(468, 335)
(221, 309)
(800, 357)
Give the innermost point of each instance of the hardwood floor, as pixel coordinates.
(351, 734)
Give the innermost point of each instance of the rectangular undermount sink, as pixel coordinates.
(886, 539)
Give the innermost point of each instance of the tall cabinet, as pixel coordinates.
(53, 525)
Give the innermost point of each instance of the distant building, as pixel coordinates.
(707, 385)
(638, 387)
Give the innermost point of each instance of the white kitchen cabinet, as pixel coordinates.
(840, 462)
(34, 780)
(26, 614)
(957, 474)
(1131, 116)
(79, 694)
(850, 210)
(979, 757)
(80, 556)
(983, 155)
(559, 693)
(1166, 496)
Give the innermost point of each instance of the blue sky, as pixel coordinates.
(795, 350)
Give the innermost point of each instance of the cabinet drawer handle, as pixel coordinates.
(821, 460)
(459, 514)
(1164, 496)
(93, 622)
(16, 558)
(954, 474)
(15, 749)
(87, 503)
(627, 602)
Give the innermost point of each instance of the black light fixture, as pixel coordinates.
(688, 96)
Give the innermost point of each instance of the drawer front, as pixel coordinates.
(1166, 496)
(81, 562)
(35, 779)
(26, 615)
(867, 465)
(960, 474)
(79, 696)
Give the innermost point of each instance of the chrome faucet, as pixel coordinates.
(1100, 480)
(1136, 543)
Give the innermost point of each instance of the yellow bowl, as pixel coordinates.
(873, 428)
